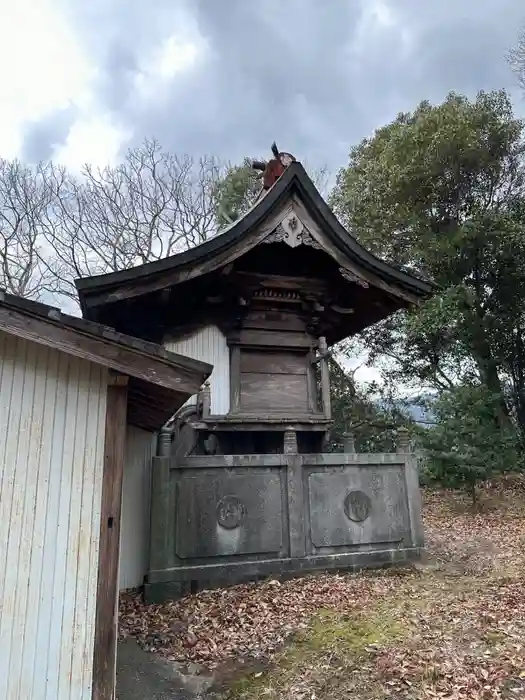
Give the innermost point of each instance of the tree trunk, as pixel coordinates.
(517, 372)
(482, 352)
(488, 370)
(473, 493)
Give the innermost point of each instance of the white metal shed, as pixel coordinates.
(69, 389)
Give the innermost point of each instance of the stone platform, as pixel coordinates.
(221, 520)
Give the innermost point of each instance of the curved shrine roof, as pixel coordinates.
(101, 290)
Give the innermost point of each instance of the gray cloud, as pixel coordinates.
(42, 137)
(312, 75)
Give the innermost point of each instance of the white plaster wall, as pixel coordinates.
(208, 344)
(52, 422)
(136, 492)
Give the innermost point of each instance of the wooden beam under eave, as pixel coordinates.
(106, 616)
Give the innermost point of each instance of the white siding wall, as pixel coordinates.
(52, 418)
(209, 345)
(134, 536)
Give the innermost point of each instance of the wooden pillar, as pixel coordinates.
(106, 619)
(313, 399)
(325, 378)
(235, 379)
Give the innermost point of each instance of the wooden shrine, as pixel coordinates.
(241, 481)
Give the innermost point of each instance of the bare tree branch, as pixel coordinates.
(151, 205)
(516, 59)
(24, 200)
(56, 227)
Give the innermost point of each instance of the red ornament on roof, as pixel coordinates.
(274, 168)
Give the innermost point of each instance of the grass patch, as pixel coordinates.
(347, 634)
(330, 649)
(454, 629)
(451, 627)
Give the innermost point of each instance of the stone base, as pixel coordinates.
(172, 584)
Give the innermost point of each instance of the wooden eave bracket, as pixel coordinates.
(117, 378)
(323, 356)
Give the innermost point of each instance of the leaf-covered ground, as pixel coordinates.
(453, 628)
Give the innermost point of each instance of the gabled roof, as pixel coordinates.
(216, 252)
(159, 381)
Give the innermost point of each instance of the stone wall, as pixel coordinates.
(224, 519)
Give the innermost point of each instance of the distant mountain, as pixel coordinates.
(419, 414)
(413, 408)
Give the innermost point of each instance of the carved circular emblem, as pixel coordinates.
(230, 512)
(357, 506)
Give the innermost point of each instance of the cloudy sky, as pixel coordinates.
(80, 81)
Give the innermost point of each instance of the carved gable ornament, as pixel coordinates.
(293, 232)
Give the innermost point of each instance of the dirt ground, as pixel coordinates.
(144, 676)
(451, 628)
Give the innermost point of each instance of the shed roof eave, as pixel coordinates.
(154, 367)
